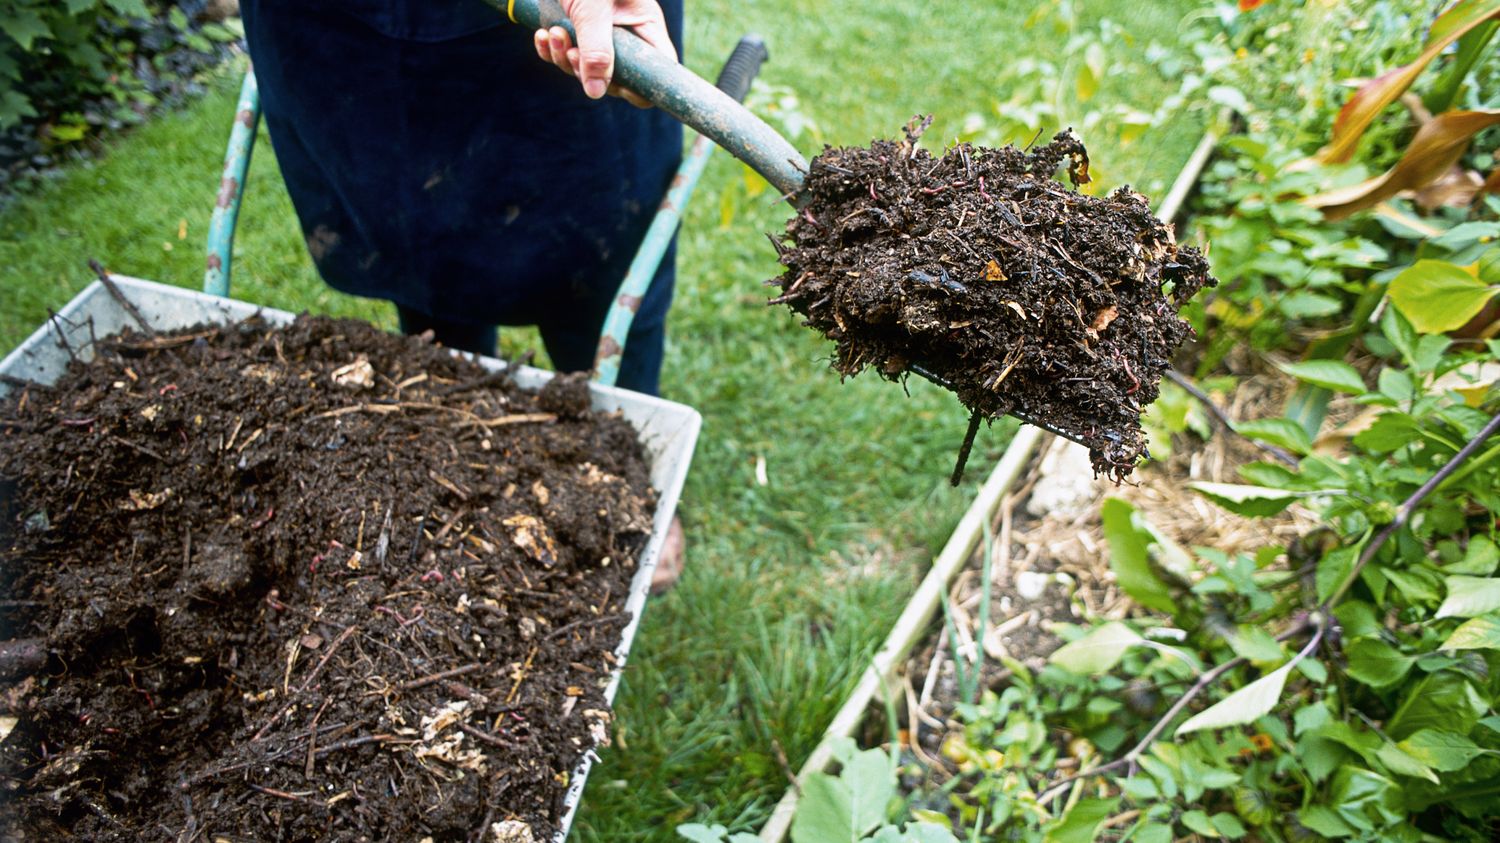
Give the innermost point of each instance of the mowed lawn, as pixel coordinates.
(791, 583)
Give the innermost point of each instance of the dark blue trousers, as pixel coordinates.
(434, 161)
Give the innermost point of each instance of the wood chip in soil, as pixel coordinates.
(981, 268)
(311, 583)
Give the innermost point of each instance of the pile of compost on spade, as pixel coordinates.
(306, 583)
(982, 269)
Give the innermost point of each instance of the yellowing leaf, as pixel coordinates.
(1434, 150)
(1437, 296)
(993, 272)
(1375, 95)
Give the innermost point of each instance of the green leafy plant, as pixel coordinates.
(852, 806)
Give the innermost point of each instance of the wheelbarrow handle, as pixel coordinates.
(686, 96)
(742, 66)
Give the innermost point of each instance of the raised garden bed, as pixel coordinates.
(306, 580)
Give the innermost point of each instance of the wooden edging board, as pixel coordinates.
(923, 605)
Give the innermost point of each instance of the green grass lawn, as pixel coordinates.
(790, 585)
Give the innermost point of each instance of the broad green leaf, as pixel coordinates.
(1081, 823)
(1334, 568)
(1471, 47)
(1436, 147)
(1329, 374)
(1444, 700)
(1198, 821)
(23, 25)
(76, 6)
(1396, 384)
(1470, 597)
(1253, 501)
(1417, 585)
(1398, 762)
(1228, 825)
(824, 812)
(1284, 432)
(1389, 432)
(1475, 634)
(1481, 558)
(1441, 750)
(1097, 652)
(1430, 351)
(1372, 97)
(1398, 330)
(1254, 644)
(1324, 821)
(1357, 619)
(1377, 663)
(1130, 556)
(700, 833)
(1366, 800)
(1254, 805)
(1438, 296)
(872, 784)
(918, 832)
(130, 8)
(1242, 706)
(1147, 833)
(1268, 473)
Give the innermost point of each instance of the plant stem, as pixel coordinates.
(1161, 725)
(1404, 513)
(1223, 418)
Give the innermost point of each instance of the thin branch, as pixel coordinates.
(118, 296)
(1161, 725)
(1223, 418)
(1409, 506)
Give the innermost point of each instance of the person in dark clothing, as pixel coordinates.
(434, 161)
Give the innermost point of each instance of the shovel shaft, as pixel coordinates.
(686, 96)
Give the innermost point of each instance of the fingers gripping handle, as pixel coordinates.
(686, 96)
(742, 67)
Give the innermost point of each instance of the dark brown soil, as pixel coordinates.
(981, 270)
(320, 583)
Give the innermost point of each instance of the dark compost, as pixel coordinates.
(311, 583)
(982, 270)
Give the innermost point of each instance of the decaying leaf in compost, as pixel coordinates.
(979, 267)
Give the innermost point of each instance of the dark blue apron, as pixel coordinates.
(436, 162)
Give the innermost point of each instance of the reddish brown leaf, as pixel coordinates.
(1492, 183)
(1375, 95)
(1455, 189)
(1436, 147)
(1251, 5)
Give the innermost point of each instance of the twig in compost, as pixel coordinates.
(575, 625)
(282, 794)
(1223, 418)
(963, 451)
(306, 683)
(118, 296)
(142, 449)
(62, 339)
(439, 676)
(312, 738)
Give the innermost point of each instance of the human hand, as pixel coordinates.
(592, 61)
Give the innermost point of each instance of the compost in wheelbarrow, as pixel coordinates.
(317, 582)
